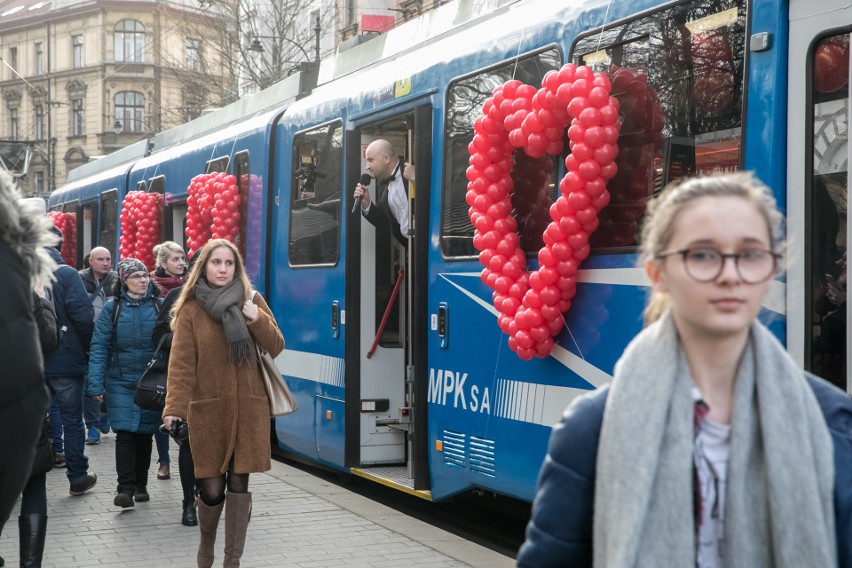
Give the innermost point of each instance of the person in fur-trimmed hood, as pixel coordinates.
(24, 232)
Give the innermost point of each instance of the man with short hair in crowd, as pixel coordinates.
(99, 279)
(66, 367)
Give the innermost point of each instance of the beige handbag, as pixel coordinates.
(281, 400)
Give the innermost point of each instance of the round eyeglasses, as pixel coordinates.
(754, 265)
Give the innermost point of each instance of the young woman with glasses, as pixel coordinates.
(710, 447)
(120, 351)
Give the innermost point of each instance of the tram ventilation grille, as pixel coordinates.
(481, 455)
(454, 449)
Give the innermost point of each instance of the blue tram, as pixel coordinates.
(434, 402)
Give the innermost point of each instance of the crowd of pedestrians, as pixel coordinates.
(74, 345)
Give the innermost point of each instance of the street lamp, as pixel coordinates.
(117, 127)
(257, 47)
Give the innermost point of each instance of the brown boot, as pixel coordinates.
(237, 515)
(208, 519)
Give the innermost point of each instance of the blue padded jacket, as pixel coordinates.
(117, 360)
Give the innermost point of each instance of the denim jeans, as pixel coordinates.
(162, 447)
(132, 460)
(56, 427)
(67, 391)
(91, 410)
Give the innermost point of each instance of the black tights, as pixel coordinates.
(34, 499)
(213, 488)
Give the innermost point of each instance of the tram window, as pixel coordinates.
(157, 185)
(217, 165)
(241, 172)
(465, 98)
(141, 186)
(827, 213)
(107, 220)
(315, 200)
(678, 75)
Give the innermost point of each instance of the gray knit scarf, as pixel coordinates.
(779, 501)
(224, 305)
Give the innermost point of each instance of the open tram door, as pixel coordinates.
(818, 156)
(386, 319)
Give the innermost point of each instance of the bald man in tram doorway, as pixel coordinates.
(390, 212)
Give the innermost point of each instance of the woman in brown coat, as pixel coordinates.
(215, 385)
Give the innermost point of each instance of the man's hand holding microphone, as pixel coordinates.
(362, 193)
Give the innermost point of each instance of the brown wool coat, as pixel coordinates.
(224, 404)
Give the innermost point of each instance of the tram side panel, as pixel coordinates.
(307, 278)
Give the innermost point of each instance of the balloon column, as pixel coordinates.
(713, 91)
(67, 224)
(251, 197)
(213, 210)
(519, 116)
(640, 145)
(141, 221)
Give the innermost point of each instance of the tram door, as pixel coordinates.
(383, 271)
(819, 163)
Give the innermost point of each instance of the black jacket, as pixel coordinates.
(48, 333)
(380, 214)
(91, 283)
(74, 313)
(163, 329)
(23, 395)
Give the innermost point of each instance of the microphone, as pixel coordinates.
(365, 181)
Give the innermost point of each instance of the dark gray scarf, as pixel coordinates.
(224, 305)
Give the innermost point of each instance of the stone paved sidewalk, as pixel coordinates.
(298, 520)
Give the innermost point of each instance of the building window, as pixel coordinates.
(193, 54)
(349, 12)
(130, 41)
(39, 58)
(39, 122)
(13, 123)
(77, 47)
(129, 110)
(192, 109)
(13, 59)
(38, 181)
(77, 117)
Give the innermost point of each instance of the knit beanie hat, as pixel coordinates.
(128, 266)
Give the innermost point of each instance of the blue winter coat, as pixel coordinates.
(74, 312)
(116, 361)
(560, 531)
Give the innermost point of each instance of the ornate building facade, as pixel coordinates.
(81, 79)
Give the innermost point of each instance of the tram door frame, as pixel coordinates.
(406, 362)
(809, 23)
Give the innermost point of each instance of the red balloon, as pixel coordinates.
(577, 106)
(589, 117)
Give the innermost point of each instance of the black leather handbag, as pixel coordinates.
(151, 389)
(43, 460)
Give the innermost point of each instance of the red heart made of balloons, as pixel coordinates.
(519, 127)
